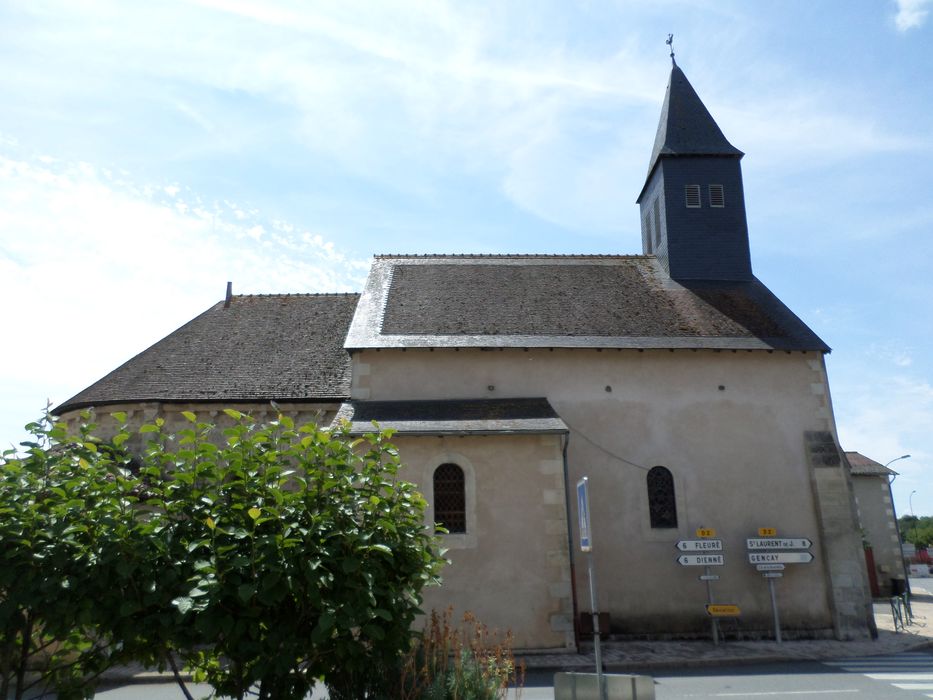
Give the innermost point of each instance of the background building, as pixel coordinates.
(878, 522)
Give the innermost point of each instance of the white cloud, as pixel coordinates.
(406, 94)
(903, 360)
(890, 352)
(911, 14)
(95, 269)
(448, 85)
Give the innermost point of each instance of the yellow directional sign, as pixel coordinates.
(706, 532)
(767, 531)
(720, 610)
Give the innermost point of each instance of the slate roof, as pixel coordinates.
(454, 417)
(860, 465)
(565, 301)
(282, 347)
(686, 128)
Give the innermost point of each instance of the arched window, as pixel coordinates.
(661, 502)
(449, 498)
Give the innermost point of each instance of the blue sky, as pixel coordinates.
(149, 152)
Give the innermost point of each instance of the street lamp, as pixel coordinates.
(897, 458)
(910, 500)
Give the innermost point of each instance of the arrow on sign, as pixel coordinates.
(700, 560)
(700, 545)
(779, 557)
(778, 543)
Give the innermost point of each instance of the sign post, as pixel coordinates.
(586, 545)
(704, 556)
(774, 611)
(769, 553)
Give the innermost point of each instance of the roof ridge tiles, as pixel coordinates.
(502, 256)
(295, 294)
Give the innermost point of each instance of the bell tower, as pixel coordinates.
(692, 203)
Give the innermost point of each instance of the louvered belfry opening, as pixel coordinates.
(717, 196)
(449, 498)
(692, 195)
(662, 505)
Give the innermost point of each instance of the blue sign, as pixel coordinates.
(583, 511)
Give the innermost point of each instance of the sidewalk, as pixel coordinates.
(631, 656)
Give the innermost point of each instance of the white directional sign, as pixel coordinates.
(770, 567)
(772, 574)
(778, 543)
(583, 511)
(700, 545)
(780, 557)
(700, 560)
(709, 577)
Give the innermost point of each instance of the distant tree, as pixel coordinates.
(916, 530)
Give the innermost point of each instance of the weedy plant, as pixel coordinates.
(460, 663)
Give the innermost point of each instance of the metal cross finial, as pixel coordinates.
(670, 42)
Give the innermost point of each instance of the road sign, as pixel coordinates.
(772, 574)
(583, 511)
(586, 545)
(780, 557)
(720, 610)
(700, 545)
(767, 531)
(778, 543)
(709, 577)
(770, 567)
(706, 532)
(700, 560)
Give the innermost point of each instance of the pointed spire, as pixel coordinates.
(692, 202)
(686, 127)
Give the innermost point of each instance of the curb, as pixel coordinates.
(116, 678)
(627, 666)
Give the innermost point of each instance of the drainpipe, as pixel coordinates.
(897, 529)
(573, 568)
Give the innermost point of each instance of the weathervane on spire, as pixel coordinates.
(670, 42)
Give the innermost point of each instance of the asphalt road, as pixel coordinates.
(907, 676)
(898, 677)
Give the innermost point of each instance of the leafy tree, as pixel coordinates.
(308, 554)
(62, 509)
(264, 557)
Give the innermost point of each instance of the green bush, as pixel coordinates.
(264, 556)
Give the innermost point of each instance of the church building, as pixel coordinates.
(693, 400)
